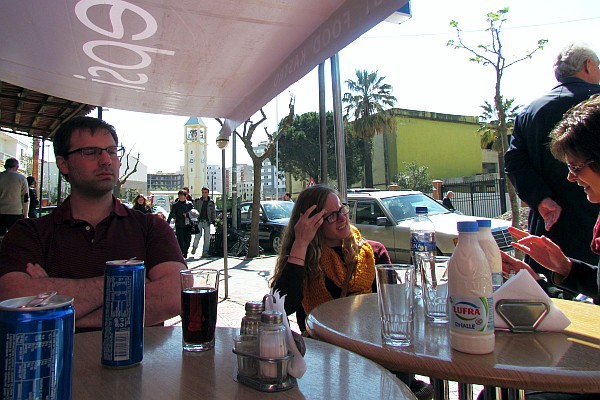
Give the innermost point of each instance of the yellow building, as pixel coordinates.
(195, 149)
(448, 144)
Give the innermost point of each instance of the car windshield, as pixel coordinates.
(278, 210)
(403, 207)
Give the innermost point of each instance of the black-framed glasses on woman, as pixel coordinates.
(333, 217)
(93, 153)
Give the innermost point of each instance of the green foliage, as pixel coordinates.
(489, 123)
(366, 102)
(491, 54)
(495, 129)
(414, 177)
(368, 98)
(299, 149)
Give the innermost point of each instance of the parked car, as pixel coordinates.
(274, 217)
(386, 216)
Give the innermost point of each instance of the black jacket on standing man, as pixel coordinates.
(536, 174)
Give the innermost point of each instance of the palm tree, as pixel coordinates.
(366, 103)
(490, 130)
(490, 123)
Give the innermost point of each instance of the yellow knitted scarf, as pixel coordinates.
(315, 291)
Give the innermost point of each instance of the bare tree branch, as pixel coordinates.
(245, 136)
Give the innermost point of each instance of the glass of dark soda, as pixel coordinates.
(199, 297)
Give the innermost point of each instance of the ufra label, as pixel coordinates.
(471, 314)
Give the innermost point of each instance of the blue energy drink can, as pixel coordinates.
(36, 347)
(123, 313)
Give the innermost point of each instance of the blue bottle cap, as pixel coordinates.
(421, 210)
(484, 223)
(467, 226)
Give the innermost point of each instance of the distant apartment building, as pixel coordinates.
(16, 146)
(245, 181)
(214, 178)
(272, 186)
(245, 190)
(136, 182)
(165, 181)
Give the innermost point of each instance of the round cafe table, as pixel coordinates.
(566, 361)
(167, 372)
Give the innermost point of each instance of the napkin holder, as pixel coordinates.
(522, 315)
(528, 307)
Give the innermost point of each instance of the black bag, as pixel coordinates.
(195, 228)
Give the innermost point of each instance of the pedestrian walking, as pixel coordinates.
(33, 197)
(14, 195)
(207, 215)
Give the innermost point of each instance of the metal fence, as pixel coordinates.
(485, 198)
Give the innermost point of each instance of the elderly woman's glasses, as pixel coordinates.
(575, 169)
(333, 217)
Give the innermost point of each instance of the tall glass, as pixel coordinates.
(395, 289)
(199, 297)
(434, 275)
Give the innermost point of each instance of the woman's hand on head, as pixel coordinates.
(307, 226)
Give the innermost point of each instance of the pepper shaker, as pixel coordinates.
(251, 321)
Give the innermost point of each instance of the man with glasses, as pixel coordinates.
(558, 208)
(66, 251)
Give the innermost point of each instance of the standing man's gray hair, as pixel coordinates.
(571, 60)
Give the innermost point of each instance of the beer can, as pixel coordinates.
(36, 347)
(123, 313)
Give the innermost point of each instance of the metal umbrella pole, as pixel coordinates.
(226, 278)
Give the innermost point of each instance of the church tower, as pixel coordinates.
(195, 148)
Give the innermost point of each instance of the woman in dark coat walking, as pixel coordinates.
(183, 228)
(33, 197)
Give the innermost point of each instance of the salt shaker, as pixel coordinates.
(272, 344)
(251, 321)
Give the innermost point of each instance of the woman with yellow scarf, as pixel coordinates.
(322, 256)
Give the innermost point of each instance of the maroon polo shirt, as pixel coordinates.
(70, 248)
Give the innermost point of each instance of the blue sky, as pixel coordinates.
(425, 74)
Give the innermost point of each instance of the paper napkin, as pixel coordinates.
(297, 365)
(522, 286)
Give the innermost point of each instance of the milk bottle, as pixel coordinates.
(470, 299)
(491, 250)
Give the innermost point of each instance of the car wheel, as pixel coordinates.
(275, 242)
